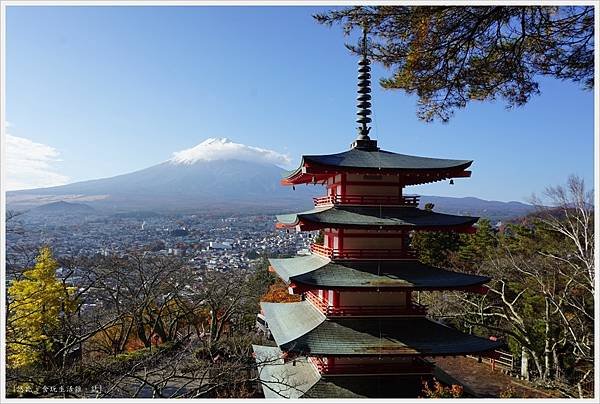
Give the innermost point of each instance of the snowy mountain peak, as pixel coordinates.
(216, 140)
(213, 149)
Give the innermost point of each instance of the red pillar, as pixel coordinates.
(336, 299)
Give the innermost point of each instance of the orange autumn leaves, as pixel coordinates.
(278, 293)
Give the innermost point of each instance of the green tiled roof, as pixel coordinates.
(293, 319)
(283, 380)
(313, 270)
(366, 216)
(376, 386)
(300, 379)
(289, 267)
(365, 336)
(381, 159)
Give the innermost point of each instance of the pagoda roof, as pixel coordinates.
(365, 386)
(373, 216)
(281, 379)
(291, 321)
(300, 327)
(300, 379)
(321, 272)
(380, 160)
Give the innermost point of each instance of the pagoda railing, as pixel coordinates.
(362, 253)
(414, 309)
(407, 200)
(414, 367)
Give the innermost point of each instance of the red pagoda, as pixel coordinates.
(358, 331)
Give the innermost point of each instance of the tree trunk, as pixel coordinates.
(557, 367)
(547, 350)
(213, 326)
(124, 338)
(141, 334)
(160, 330)
(524, 364)
(537, 362)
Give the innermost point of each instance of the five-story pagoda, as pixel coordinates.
(358, 332)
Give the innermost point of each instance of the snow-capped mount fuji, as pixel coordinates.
(217, 174)
(213, 149)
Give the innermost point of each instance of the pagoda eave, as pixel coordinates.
(301, 328)
(317, 272)
(301, 377)
(490, 353)
(300, 287)
(320, 174)
(376, 218)
(305, 225)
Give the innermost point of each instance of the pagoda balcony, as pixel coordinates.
(388, 200)
(362, 253)
(414, 309)
(417, 367)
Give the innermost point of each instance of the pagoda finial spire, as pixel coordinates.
(363, 141)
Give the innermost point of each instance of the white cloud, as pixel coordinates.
(224, 149)
(30, 165)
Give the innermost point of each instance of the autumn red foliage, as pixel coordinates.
(278, 293)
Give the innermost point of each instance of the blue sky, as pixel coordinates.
(109, 90)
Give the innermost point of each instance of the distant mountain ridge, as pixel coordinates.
(167, 186)
(62, 208)
(471, 206)
(215, 176)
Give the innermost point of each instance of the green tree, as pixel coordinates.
(436, 248)
(477, 248)
(449, 56)
(37, 302)
(541, 295)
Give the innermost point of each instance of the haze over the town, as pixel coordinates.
(122, 89)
